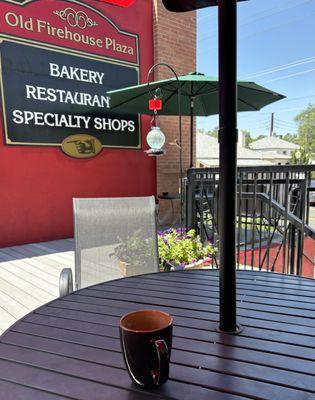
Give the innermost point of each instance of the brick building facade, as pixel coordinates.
(174, 44)
(93, 37)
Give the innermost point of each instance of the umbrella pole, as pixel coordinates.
(228, 154)
(191, 132)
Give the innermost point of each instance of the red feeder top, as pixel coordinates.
(155, 104)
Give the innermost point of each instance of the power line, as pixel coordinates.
(298, 98)
(287, 123)
(281, 110)
(276, 12)
(276, 26)
(286, 130)
(290, 76)
(261, 114)
(281, 67)
(283, 121)
(256, 19)
(284, 127)
(262, 31)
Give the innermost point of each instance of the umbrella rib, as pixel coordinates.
(173, 93)
(267, 91)
(175, 87)
(250, 105)
(204, 108)
(210, 91)
(135, 97)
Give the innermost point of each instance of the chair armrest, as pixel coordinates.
(65, 282)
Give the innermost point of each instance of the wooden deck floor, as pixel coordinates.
(29, 277)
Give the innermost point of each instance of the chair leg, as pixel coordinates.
(65, 282)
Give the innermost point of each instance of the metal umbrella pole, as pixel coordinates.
(228, 154)
(192, 103)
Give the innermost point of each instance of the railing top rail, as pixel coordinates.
(257, 169)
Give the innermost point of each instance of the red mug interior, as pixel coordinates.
(145, 321)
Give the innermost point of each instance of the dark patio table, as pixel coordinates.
(69, 348)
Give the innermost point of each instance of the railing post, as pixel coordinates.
(285, 222)
(300, 246)
(191, 200)
(201, 209)
(228, 153)
(308, 177)
(292, 232)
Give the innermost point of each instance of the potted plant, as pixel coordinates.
(133, 252)
(181, 249)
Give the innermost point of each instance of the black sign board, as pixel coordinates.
(48, 95)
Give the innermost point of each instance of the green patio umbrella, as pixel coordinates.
(199, 97)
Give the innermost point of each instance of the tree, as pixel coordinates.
(300, 156)
(259, 137)
(214, 133)
(291, 137)
(248, 138)
(306, 131)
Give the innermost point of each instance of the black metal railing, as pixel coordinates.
(273, 215)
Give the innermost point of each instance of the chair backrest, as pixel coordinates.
(114, 237)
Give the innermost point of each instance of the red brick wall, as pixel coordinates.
(175, 44)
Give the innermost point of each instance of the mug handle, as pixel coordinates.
(161, 374)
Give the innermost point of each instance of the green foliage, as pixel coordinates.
(214, 132)
(136, 249)
(248, 138)
(306, 132)
(300, 156)
(259, 137)
(290, 137)
(182, 247)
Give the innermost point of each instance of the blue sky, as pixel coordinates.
(276, 48)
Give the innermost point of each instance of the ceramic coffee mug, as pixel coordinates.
(146, 341)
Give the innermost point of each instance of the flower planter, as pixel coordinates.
(126, 269)
(200, 264)
(196, 265)
(178, 246)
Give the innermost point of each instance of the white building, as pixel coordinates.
(208, 153)
(274, 149)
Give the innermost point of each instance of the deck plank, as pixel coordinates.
(13, 306)
(29, 277)
(27, 284)
(7, 319)
(31, 273)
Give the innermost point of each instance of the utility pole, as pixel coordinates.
(271, 124)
